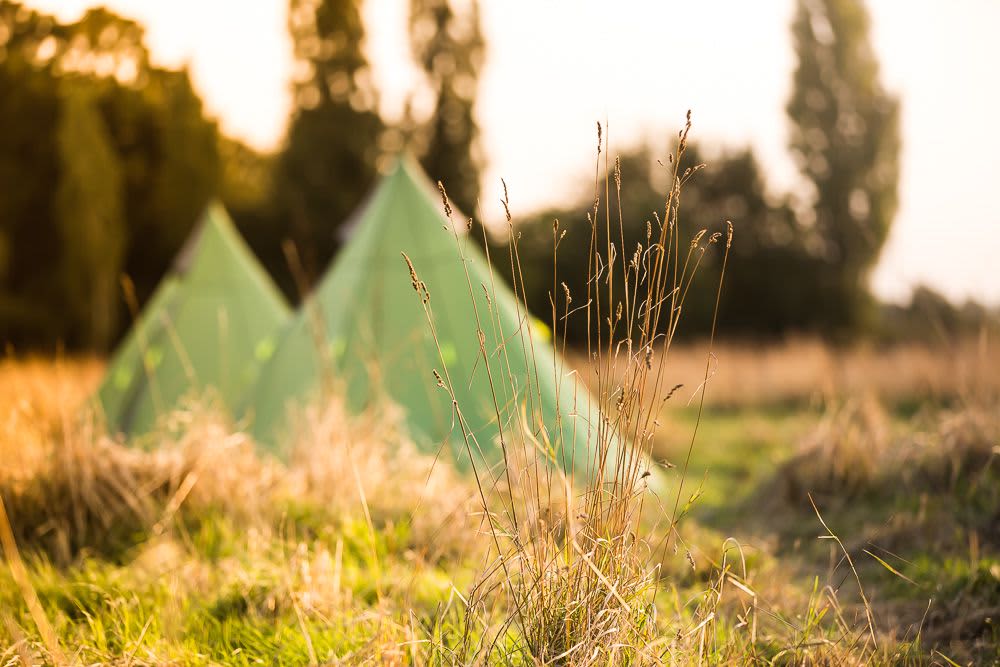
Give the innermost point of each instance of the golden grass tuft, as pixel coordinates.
(856, 448)
(570, 554)
(367, 463)
(78, 490)
(38, 398)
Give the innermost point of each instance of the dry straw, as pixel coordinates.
(571, 552)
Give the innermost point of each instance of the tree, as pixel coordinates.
(845, 140)
(758, 299)
(173, 168)
(248, 193)
(28, 157)
(79, 98)
(450, 49)
(931, 318)
(331, 152)
(89, 214)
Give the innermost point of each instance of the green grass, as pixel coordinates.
(736, 450)
(312, 582)
(218, 596)
(927, 549)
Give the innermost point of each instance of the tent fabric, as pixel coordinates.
(208, 328)
(364, 333)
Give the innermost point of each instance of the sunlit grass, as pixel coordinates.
(299, 574)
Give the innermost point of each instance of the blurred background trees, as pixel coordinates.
(449, 48)
(845, 140)
(107, 161)
(797, 264)
(758, 299)
(89, 216)
(330, 156)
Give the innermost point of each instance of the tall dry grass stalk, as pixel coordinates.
(569, 551)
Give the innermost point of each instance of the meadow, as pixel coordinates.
(349, 425)
(857, 525)
(723, 504)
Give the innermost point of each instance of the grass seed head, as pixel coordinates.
(444, 199)
(418, 285)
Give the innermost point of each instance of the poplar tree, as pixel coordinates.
(330, 157)
(449, 47)
(845, 140)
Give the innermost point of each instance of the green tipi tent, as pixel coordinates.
(364, 332)
(209, 326)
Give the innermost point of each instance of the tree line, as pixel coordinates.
(799, 262)
(107, 160)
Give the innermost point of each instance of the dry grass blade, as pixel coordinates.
(861, 589)
(20, 575)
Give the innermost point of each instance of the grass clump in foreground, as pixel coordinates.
(276, 565)
(568, 558)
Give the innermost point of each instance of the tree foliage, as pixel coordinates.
(330, 157)
(89, 214)
(930, 317)
(758, 298)
(449, 47)
(113, 159)
(845, 139)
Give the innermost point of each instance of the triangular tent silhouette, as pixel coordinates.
(364, 332)
(209, 326)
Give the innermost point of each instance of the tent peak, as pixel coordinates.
(210, 325)
(406, 171)
(214, 215)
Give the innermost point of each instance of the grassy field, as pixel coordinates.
(850, 522)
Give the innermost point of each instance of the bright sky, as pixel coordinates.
(556, 66)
